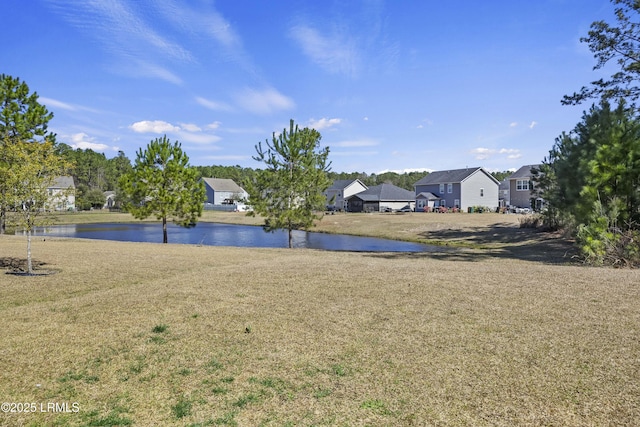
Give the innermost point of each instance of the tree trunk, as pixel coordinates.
(3, 216)
(29, 263)
(164, 230)
(290, 238)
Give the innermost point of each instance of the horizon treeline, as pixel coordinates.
(94, 174)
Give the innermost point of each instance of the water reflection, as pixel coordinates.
(216, 234)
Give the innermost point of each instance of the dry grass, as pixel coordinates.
(150, 334)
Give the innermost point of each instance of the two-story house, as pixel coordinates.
(459, 188)
(521, 189)
(341, 190)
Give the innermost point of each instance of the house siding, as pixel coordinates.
(471, 192)
(340, 195)
(446, 199)
(519, 198)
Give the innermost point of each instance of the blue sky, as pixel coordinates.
(391, 85)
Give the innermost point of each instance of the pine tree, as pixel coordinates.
(164, 185)
(22, 119)
(290, 191)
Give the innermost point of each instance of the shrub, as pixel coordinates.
(531, 221)
(602, 242)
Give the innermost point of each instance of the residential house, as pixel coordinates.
(109, 199)
(459, 188)
(427, 201)
(381, 198)
(504, 193)
(341, 190)
(521, 189)
(222, 191)
(62, 193)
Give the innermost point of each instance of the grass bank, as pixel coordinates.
(495, 235)
(151, 334)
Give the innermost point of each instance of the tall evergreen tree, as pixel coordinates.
(22, 119)
(164, 185)
(619, 42)
(592, 178)
(290, 191)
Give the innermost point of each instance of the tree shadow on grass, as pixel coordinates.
(494, 241)
(18, 266)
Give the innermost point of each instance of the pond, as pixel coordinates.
(216, 234)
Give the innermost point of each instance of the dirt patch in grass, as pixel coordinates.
(151, 334)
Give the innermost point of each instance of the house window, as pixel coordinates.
(482, 192)
(441, 188)
(449, 188)
(522, 185)
(456, 203)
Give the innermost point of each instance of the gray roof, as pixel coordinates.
(453, 176)
(63, 182)
(223, 184)
(387, 193)
(341, 184)
(427, 195)
(524, 172)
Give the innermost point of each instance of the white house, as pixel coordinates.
(341, 190)
(223, 191)
(62, 193)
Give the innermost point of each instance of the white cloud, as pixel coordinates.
(263, 102)
(355, 143)
(213, 105)
(482, 153)
(336, 54)
(533, 124)
(83, 141)
(213, 125)
(56, 104)
(353, 153)
(513, 124)
(407, 170)
(323, 123)
(197, 138)
(190, 127)
(153, 126)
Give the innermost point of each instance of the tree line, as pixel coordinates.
(591, 177)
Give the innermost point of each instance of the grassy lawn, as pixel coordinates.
(505, 332)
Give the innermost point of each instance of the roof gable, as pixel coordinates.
(386, 192)
(341, 184)
(452, 176)
(524, 172)
(63, 182)
(223, 184)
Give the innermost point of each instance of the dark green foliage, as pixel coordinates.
(22, 119)
(619, 43)
(21, 116)
(164, 185)
(94, 170)
(89, 198)
(289, 192)
(591, 182)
